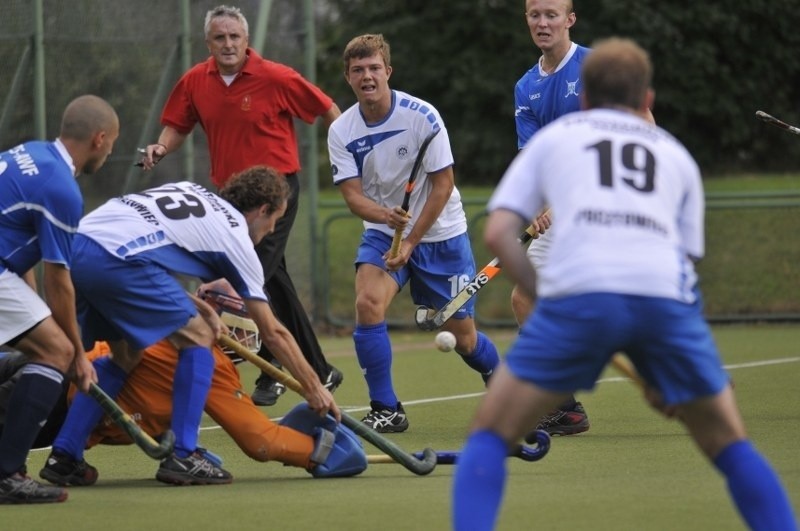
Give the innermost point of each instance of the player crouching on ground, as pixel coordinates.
(302, 439)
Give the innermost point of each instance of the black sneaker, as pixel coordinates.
(563, 422)
(334, 379)
(267, 391)
(19, 488)
(192, 470)
(61, 469)
(385, 420)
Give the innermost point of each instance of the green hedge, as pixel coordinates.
(715, 64)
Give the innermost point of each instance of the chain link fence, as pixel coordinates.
(125, 52)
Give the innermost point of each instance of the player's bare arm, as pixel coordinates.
(209, 315)
(280, 342)
(170, 140)
(367, 209)
(330, 115)
(60, 296)
(443, 183)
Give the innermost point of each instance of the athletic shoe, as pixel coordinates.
(61, 469)
(192, 470)
(334, 379)
(385, 420)
(267, 391)
(563, 422)
(19, 488)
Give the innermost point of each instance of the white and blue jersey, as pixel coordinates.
(629, 202)
(129, 249)
(382, 156)
(183, 228)
(628, 199)
(40, 205)
(540, 98)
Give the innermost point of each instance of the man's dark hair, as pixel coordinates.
(256, 186)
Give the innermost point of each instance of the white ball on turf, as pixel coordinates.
(445, 341)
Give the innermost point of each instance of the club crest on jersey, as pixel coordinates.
(572, 88)
(246, 103)
(402, 152)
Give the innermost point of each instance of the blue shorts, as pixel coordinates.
(437, 271)
(567, 342)
(134, 300)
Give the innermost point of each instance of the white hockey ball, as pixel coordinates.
(445, 341)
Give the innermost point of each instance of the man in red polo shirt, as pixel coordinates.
(246, 106)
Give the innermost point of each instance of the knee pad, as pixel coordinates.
(337, 450)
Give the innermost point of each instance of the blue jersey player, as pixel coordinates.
(619, 277)
(40, 208)
(546, 92)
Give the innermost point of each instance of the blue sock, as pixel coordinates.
(32, 399)
(478, 482)
(374, 352)
(84, 412)
(755, 488)
(190, 388)
(484, 358)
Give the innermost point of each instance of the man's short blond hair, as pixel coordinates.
(366, 46)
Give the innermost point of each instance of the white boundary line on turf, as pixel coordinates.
(612, 379)
(762, 363)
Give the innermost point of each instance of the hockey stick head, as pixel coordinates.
(527, 453)
(424, 318)
(166, 444)
(151, 447)
(768, 118)
(420, 467)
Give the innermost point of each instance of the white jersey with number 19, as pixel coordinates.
(614, 183)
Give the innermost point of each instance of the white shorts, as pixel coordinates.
(21, 308)
(538, 249)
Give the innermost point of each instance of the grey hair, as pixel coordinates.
(225, 11)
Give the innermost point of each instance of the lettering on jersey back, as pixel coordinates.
(24, 160)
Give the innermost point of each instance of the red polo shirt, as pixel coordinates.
(249, 122)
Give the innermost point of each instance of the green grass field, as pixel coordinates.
(749, 269)
(632, 470)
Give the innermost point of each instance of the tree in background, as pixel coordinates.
(715, 65)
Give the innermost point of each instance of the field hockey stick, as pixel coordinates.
(521, 451)
(226, 302)
(624, 366)
(764, 117)
(428, 320)
(153, 448)
(398, 234)
(422, 465)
